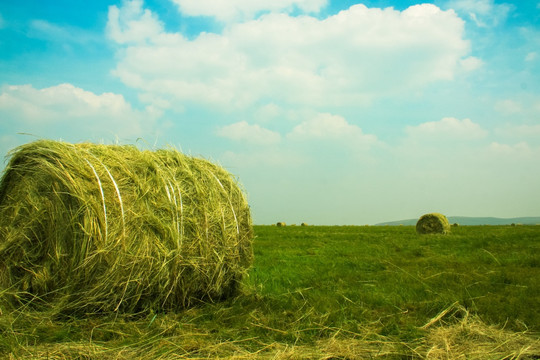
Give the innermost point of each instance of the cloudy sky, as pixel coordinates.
(328, 112)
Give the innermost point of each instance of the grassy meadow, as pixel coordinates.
(336, 292)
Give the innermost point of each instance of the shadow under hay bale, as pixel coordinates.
(102, 228)
(433, 223)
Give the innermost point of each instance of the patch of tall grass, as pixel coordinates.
(331, 293)
(388, 270)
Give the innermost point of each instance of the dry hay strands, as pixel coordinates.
(433, 223)
(457, 334)
(102, 228)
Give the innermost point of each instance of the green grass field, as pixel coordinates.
(337, 292)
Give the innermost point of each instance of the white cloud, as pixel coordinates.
(350, 58)
(331, 127)
(471, 63)
(72, 110)
(484, 13)
(509, 106)
(519, 131)
(255, 134)
(268, 112)
(131, 23)
(521, 149)
(448, 128)
(533, 55)
(42, 29)
(522, 109)
(528, 130)
(227, 10)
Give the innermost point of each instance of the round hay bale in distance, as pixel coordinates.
(281, 224)
(433, 223)
(103, 228)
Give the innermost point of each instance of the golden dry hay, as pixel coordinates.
(101, 228)
(280, 224)
(433, 223)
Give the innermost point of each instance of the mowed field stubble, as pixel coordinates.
(331, 292)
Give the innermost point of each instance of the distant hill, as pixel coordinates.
(463, 220)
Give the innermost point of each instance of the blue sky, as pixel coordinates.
(328, 112)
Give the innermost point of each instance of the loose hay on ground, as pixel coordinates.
(99, 228)
(453, 334)
(456, 334)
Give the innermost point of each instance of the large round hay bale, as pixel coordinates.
(100, 228)
(433, 223)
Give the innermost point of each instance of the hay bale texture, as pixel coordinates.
(433, 223)
(104, 228)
